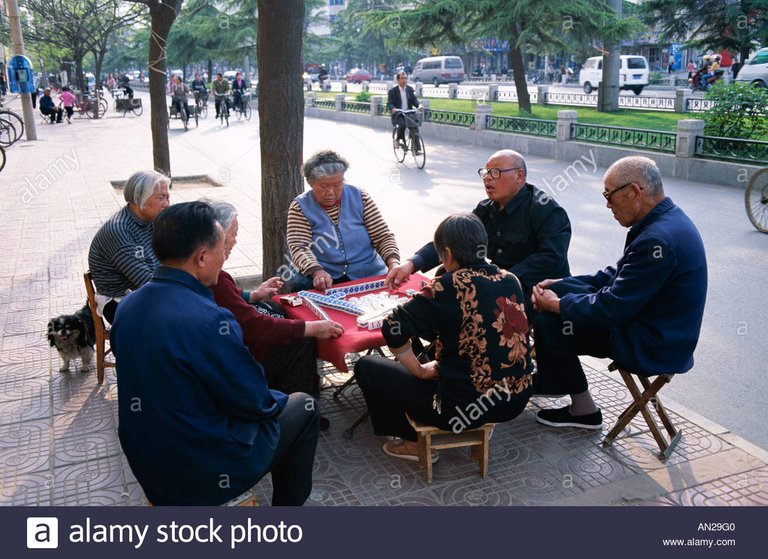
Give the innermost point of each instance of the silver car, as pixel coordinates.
(755, 70)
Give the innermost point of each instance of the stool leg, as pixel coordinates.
(425, 455)
(484, 460)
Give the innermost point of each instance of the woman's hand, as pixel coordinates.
(266, 290)
(428, 371)
(322, 280)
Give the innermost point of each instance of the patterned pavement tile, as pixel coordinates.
(85, 448)
(27, 434)
(27, 490)
(34, 403)
(30, 350)
(746, 489)
(18, 382)
(75, 483)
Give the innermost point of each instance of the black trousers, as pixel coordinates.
(399, 121)
(558, 346)
(390, 391)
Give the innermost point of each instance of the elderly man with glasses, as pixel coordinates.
(528, 232)
(645, 313)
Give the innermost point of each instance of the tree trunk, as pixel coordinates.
(163, 15)
(281, 122)
(210, 70)
(518, 72)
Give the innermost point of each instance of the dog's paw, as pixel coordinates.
(64, 369)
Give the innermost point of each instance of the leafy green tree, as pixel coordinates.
(524, 23)
(711, 24)
(199, 34)
(738, 111)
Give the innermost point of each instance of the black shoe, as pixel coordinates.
(325, 423)
(561, 417)
(417, 151)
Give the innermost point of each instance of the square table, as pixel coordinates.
(354, 339)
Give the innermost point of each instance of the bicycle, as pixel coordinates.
(201, 103)
(756, 200)
(243, 108)
(15, 119)
(186, 113)
(126, 104)
(88, 105)
(8, 133)
(414, 143)
(223, 106)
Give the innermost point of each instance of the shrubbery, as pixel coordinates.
(740, 111)
(363, 97)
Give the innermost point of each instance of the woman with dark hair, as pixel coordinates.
(482, 372)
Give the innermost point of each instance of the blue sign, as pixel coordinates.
(676, 50)
(20, 76)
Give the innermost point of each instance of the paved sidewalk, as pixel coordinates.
(58, 432)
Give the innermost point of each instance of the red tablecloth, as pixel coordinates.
(354, 339)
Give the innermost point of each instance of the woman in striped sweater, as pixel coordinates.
(335, 232)
(121, 258)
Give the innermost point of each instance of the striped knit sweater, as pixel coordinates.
(299, 234)
(121, 255)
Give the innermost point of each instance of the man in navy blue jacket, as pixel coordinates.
(198, 423)
(645, 313)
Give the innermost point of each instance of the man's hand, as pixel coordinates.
(393, 110)
(322, 280)
(323, 329)
(266, 290)
(547, 282)
(399, 275)
(545, 300)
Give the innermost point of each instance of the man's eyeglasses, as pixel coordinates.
(608, 193)
(494, 172)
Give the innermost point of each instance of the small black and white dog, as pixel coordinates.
(72, 336)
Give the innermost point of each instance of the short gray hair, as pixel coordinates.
(465, 235)
(224, 211)
(641, 169)
(324, 163)
(142, 185)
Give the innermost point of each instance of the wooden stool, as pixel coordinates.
(431, 438)
(100, 330)
(640, 401)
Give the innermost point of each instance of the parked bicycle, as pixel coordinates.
(756, 200)
(413, 143)
(8, 132)
(15, 119)
(88, 104)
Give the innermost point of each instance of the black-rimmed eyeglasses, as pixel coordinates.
(494, 172)
(608, 193)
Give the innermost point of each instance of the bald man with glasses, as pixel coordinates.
(528, 232)
(645, 313)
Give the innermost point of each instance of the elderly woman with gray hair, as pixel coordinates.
(284, 347)
(482, 373)
(121, 258)
(335, 232)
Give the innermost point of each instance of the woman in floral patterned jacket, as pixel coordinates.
(482, 371)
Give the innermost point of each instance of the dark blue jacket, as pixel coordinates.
(197, 421)
(653, 301)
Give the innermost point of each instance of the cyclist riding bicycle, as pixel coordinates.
(220, 86)
(402, 97)
(179, 93)
(198, 87)
(238, 90)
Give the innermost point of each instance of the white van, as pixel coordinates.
(633, 73)
(439, 69)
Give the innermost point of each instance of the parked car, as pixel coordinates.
(358, 75)
(755, 69)
(633, 73)
(439, 69)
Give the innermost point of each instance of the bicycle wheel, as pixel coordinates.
(138, 108)
(226, 115)
(103, 105)
(239, 112)
(247, 109)
(397, 148)
(184, 118)
(196, 117)
(417, 149)
(2, 158)
(7, 133)
(756, 200)
(204, 110)
(15, 119)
